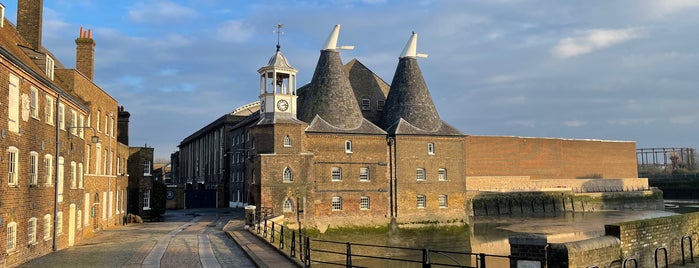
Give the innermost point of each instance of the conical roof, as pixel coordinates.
(409, 98)
(330, 95)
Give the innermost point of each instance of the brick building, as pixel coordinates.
(348, 149)
(65, 178)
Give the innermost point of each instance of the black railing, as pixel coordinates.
(310, 251)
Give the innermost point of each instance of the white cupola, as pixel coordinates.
(278, 85)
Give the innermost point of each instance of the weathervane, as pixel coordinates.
(279, 32)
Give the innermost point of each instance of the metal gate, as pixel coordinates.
(200, 198)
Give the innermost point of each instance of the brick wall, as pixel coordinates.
(545, 158)
(599, 251)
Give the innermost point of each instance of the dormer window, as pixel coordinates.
(348, 147)
(380, 104)
(430, 148)
(287, 141)
(50, 64)
(366, 104)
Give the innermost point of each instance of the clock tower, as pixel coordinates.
(278, 87)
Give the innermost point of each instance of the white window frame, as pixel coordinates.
(11, 238)
(443, 201)
(48, 166)
(366, 104)
(99, 114)
(420, 174)
(31, 231)
(47, 227)
(442, 174)
(287, 141)
(146, 199)
(81, 176)
(421, 201)
(73, 175)
(81, 126)
(73, 122)
(336, 203)
(288, 205)
(146, 168)
(34, 102)
(79, 220)
(59, 222)
(348, 146)
(364, 203)
(50, 65)
(364, 174)
(12, 166)
(49, 110)
(336, 174)
(288, 175)
(61, 176)
(430, 148)
(13, 104)
(33, 168)
(62, 116)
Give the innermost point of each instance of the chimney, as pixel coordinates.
(29, 14)
(85, 54)
(123, 126)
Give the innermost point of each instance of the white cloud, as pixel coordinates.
(668, 7)
(161, 12)
(234, 31)
(588, 41)
(575, 123)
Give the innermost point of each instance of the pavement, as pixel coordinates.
(207, 238)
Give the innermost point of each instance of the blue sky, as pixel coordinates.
(613, 70)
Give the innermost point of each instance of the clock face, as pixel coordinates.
(282, 105)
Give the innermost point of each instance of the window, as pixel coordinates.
(336, 203)
(97, 119)
(430, 148)
(443, 201)
(33, 168)
(146, 167)
(79, 219)
(380, 104)
(73, 175)
(49, 66)
(442, 174)
(59, 222)
(336, 173)
(81, 175)
(31, 231)
(288, 205)
(11, 236)
(364, 203)
(98, 158)
(288, 177)
(74, 122)
(49, 110)
(59, 183)
(34, 102)
(146, 199)
(420, 174)
(366, 104)
(62, 116)
(421, 200)
(364, 174)
(287, 141)
(348, 147)
(48, 165)
(87, 157)
(12, 166)
(47, 226)
(81, 127)
(13, 104)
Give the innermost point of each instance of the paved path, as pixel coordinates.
(186, 238)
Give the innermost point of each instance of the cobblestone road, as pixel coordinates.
(186, 238)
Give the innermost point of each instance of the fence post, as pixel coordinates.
(281, 238)
(293, 243)
(348, 252)
(482, 260)
(308, 252)
(271, 238)
(264, 230)
(426, 258)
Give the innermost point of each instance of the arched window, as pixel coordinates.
(288, 205)
(287, 141)
(288, 176)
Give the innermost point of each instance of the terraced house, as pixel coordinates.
(65, 171)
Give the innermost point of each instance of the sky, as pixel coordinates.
(610, 70)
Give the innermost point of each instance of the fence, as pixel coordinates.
(309, 251)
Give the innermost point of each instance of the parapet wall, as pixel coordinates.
(548, 158)
(524, 183)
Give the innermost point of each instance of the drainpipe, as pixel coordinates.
(55, 178)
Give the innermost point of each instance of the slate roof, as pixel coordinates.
(404, 128)
(409, 99)
(330, 95)
(278, 61)
(366, 127)
(367, 85)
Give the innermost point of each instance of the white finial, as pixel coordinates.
(410, 49)
(331, 44)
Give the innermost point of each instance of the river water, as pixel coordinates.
(490, 234)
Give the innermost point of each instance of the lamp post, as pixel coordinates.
(93, 139)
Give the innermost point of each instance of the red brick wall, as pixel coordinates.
(544, 158)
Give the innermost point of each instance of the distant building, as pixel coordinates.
(350, 149)
(140, 170)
